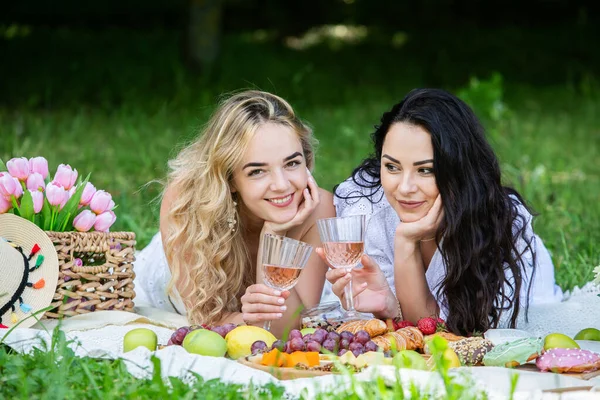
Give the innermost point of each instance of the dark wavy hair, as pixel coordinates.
(481, 224)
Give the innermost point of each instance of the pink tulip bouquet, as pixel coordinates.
(60, 203)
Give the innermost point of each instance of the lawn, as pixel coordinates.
(119, 104)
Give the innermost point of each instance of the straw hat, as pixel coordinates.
(28, 273)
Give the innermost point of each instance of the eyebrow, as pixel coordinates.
(417, 163)
(257, 164)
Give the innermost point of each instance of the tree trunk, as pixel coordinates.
(203, 33)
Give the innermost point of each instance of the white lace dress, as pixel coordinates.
(382, 223)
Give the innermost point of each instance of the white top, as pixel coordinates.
(382, 221)
(152, 275)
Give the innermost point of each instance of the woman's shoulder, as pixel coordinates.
(359, 195)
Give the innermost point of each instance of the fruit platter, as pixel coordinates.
(357, 345)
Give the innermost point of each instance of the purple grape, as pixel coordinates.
(228, 328)
(323, 332)
(342, 352)
(344, 343)
(357, 352)
(330, 345)
(170, 342)
(295, 333)
(178, 336)
(313, 346)
(347, 335)
(319, 337)
(355, 346)
(307, 338)
(258, 347)
(278, 344)
(286, 348)
(362, 337)
(334, 336)
(296, 344)
(371, 346)
(220, 330)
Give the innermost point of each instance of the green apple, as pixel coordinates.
(307, 331)
(588, 334)
(139, 337)
(560, 341)
(409, 359)
(205, 343)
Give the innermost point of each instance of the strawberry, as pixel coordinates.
(427, 325)
(403, 324)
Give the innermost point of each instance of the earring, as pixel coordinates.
(231, 221)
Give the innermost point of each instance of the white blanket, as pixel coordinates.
(100, 334)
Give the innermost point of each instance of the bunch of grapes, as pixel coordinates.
(321, 341)
(179, 335)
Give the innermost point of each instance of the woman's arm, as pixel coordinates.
(411, 285)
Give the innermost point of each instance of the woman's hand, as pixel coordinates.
(425, 228)
(370, 288)
(306, 207)
(260, 303)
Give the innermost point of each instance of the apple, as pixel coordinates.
(139, 337)
(588, 334)
(560, 341)
(205, 343)
(307, 331)
(409, 359)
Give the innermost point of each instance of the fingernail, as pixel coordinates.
(279, 315)
(283, 308)
(280, 301)
(277, 293)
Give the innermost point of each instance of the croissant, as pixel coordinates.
(373, 327)
(409, 338)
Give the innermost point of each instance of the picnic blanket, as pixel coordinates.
(100, 334)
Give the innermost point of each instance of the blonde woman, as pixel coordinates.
(247, 174)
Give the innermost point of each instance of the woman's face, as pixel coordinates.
(272, 174)
(407, 171)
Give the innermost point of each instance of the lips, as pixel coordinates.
(283, 201)
(410, 204)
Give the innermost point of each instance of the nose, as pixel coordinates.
(407, 184)
(280, 182)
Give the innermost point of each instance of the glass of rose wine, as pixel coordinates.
(343, 242)
(283, 259)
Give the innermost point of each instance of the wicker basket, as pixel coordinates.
(103, 282)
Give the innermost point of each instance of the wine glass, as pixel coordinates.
(343, 242)
(283, 259)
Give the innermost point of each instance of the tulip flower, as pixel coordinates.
(56, 194)
(38, 200)
(100, 202)
(84, 221)
(65, 176)
(88, 193)
(19, 168)
(104, 221)
(5, 205)
(35, 181)
(7, 185)
(39, 165)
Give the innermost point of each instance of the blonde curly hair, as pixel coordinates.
(209, 263)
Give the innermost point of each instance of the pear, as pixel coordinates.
(559, 341)
(588, 334)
